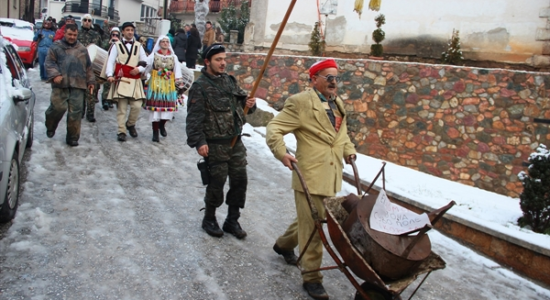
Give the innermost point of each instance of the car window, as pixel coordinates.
(14, 63)
(6, 24)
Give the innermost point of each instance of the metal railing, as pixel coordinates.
(184, 6)
(93, 9)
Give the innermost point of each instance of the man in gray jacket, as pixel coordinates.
(70, 71)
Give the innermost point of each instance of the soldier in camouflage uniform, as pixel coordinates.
(87, 36)
(215, 117)
(70, 71)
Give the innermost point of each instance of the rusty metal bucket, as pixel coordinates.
(391, 256)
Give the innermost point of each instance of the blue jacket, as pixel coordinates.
(47, 37)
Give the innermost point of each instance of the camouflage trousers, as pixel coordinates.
(224, 162)
(106, 88)
(62, 100)
(89, 103)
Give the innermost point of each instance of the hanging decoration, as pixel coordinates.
(358, 7)
(373, 5)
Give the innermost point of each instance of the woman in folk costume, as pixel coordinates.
(162, 97)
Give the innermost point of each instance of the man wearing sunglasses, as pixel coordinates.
(215, 117)
(317, 118)
(88, 36)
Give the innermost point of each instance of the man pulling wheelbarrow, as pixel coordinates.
(318, 120)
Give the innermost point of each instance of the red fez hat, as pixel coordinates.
(321, 65)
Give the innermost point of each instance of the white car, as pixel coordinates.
(16, 126)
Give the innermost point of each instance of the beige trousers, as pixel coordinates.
(299, 232)
(135, 108)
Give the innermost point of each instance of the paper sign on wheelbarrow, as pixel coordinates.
(394, 219)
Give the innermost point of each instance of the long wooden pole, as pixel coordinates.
(269, 54)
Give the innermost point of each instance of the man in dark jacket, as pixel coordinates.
(193, 46)
(215, 117)
(180, 44)
(69, 69)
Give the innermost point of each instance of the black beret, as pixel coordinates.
(127, 24)
(213, 50)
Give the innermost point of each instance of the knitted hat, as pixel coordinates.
(321, 65)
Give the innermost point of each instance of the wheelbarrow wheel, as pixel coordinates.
(374, 293)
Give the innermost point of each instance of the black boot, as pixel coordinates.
(162, 128)
(155, 135)
(209, 223)
(231, 225)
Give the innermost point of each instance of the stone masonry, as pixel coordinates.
(468, 125)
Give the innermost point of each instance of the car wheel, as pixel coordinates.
(30, 135)
(11, 199)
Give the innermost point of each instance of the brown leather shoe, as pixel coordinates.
(288, 255)
(132, 130)
(315, 290)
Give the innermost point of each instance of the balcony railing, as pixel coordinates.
(188, 6)
(84, 7)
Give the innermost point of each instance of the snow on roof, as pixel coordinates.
(17, 33)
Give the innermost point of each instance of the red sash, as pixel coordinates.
(126, 71)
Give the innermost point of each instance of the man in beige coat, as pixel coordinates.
(318, 120)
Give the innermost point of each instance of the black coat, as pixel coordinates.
(193, 46)
(180, 46)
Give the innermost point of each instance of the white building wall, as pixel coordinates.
(503, 30)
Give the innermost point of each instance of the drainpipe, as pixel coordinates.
(8, 8)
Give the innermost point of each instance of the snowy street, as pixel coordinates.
(111, 220)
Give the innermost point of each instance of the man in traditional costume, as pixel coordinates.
(125, 65)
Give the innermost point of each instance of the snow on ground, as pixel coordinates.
(111, 220)
(490, 210)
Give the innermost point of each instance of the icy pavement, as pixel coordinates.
(110, 220)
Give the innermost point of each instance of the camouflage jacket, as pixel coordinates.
(70, 61)
(215, 109)
(89, 36)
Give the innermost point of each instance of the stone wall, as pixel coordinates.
(463, 124)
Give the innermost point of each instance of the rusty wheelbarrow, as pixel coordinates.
(356, 258)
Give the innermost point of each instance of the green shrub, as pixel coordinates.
(378, 35)
(233, 18)
(453, 55)
(535, 198)
(316, 43)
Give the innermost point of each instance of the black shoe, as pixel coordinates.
(72, 143)
(50, 134)
(90, 119)
(105, 106)
(234, 228)
(121, 137)
(288, 255)
(155, 136)
(211, 227)
(315, 290)
(111, 105)
(163, 130)
(132, 130)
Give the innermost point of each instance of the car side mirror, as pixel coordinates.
(23, 94)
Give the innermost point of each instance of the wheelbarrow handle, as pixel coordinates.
(314, 212)
(356, 174)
